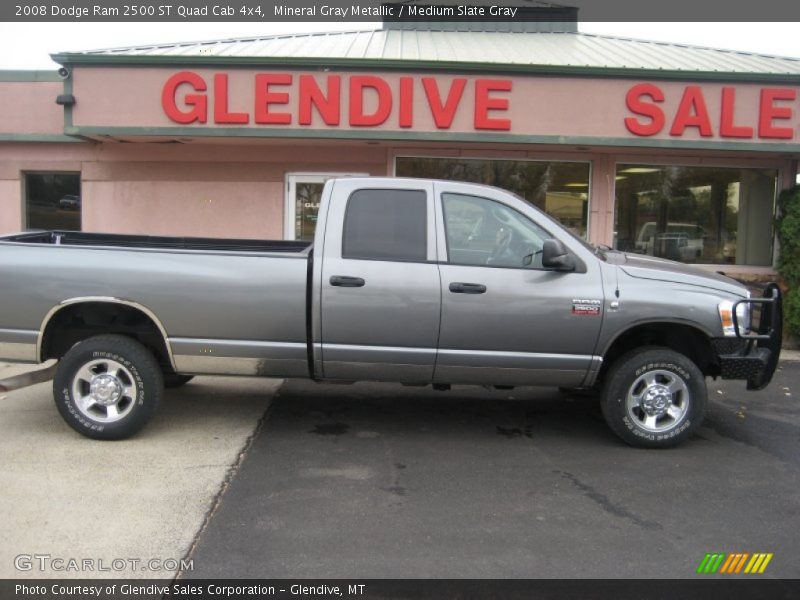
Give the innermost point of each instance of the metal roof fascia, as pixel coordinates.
(12, 75)
(50, 138)
(423, 65)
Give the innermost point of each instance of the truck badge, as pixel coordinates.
(584, 306)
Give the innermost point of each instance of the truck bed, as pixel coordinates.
(79, 238)
(237, 306)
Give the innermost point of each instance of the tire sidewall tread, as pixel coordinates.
(622, 375)
(136, 358)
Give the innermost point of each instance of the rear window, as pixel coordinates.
(386, 225)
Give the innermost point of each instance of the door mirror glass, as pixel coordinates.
(556, 256)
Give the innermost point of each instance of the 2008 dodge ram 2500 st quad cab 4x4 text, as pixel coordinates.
(408, 280)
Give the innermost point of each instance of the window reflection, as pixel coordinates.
(480, 232)
(561, 189)
(307, 199)
(53, 201)
(696, 214)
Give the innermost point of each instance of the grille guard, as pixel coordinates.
(769, 335)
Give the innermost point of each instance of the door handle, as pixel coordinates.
(345, 281)
(467, 288)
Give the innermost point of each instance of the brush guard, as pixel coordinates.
(757, 360)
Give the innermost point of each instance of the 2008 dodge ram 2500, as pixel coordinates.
(408, 280)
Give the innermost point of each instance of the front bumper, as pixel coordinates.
(754, 356)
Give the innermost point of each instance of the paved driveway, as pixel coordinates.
(69, 497)
(385, 481)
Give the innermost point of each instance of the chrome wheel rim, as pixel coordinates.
(658, 400)
(104, 390)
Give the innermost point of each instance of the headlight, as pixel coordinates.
(742, 316)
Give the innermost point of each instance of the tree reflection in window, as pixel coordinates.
(561, 189)
(710, 215)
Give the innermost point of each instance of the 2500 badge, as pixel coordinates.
(586, 306)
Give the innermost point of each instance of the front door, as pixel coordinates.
(505, 322)
(381, 299)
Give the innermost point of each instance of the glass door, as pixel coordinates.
(303, 193)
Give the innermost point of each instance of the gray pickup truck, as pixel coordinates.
(408, 280)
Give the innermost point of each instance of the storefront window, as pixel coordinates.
(707, 215)
(53, 201)
(561, 189)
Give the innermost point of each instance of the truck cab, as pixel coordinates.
(445, 282)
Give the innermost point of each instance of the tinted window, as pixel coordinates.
(53, 201)
(484, 232)
(386, 225)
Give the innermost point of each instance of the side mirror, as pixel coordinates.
(556, 256)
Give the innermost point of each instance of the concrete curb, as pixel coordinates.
(790, 355)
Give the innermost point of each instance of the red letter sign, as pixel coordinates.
(406, 118)
(221, 113)
(198, 102)
(726, 122)
(311, 95)
(264, 98)
(769, 112)
(636, 105)
(692, 112)
(443, 114)
(358, 83)
(484, 102)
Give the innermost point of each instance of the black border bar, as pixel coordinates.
(703, 587)
(345, 11)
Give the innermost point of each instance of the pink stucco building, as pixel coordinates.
(653, 148)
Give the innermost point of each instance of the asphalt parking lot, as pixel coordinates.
(251, 480)
(381, 481)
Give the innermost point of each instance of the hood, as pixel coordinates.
(659, 269)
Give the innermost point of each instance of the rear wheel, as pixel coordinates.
(654, 397)
(108, 387)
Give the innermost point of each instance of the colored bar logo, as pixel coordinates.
(734, 563)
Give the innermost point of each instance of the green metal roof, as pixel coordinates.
(561, 52)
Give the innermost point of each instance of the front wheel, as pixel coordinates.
(654, 397)
(108, 387)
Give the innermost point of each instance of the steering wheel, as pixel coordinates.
(504, 239)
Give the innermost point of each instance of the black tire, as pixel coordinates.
(664, 368)
(173, 380)
(136, 380)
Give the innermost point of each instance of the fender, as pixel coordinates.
(107, 300)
